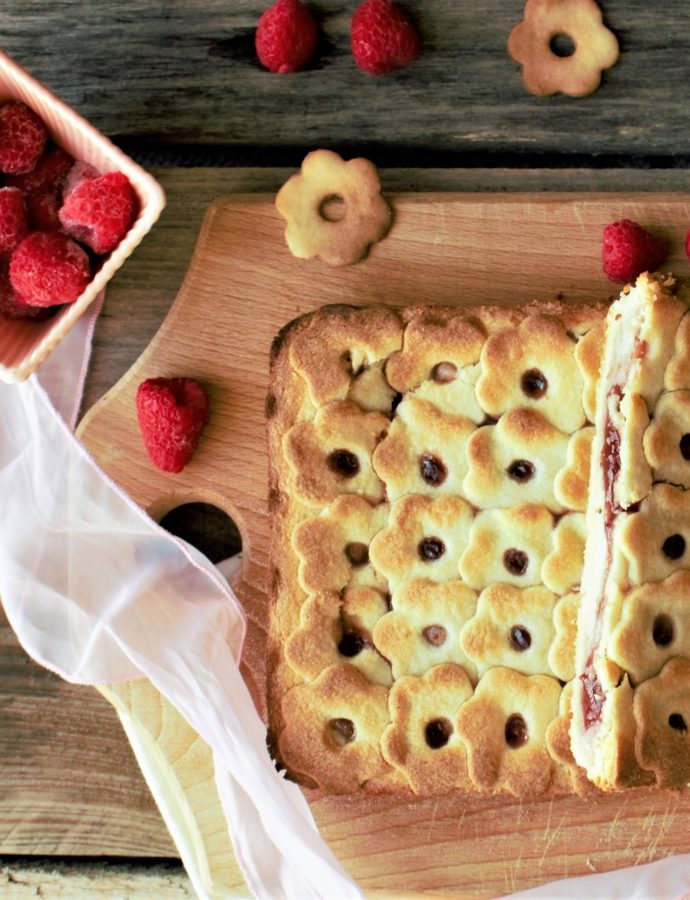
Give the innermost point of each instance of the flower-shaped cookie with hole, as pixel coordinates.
(656, 540)
(333, 729)
(424, 539)
(423, 452)
(667, 439)
(653, 627)
(561, 656)
(515, 461)
(512, 627)
(334, 547)
(507, 545)
(438, 362)
(503, 727)
(333, 359)
(544, 71)
(421, 740)
(331, 454)
(422, 628)
(571, 484)
(559, 746)
(334, 631)
(661, 707)
(366, 216)
(677, 374)
(562, 568)
(588, 354)
(533, 366)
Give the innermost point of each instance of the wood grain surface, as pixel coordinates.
(184, 73)
(458, 249)
(34, 704)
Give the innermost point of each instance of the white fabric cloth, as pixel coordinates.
(99, 593)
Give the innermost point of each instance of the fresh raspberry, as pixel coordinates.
(382, 37)
(48, 176)
(172, 413)
(47, 269)
(99, 211)
(13, 307)
(13, 225)
(687, 245)
(22, 138)
(628, 249)
(80, 171)
(42, 211)
(286, 37)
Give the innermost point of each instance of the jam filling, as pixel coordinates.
(611, 462)
(593, 704)
(432, 470)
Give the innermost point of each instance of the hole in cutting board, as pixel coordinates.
(205, 527)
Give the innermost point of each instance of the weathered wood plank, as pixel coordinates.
(60, 880)
(186, 73)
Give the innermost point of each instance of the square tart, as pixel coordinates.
(429, 479)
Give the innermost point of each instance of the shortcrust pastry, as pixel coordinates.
(428, 481)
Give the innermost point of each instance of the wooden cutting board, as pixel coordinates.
(241, 287)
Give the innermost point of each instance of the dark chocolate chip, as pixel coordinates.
(515, 561)
(351, 644)
(516, 733)
(432, 470)
(435, 634)
(520, 470)
(534, 383)
(676, 721)
(520, 638)
(357, 553)
(437, 733)
(343, 462)
(444, 372)
(662, 630)
(674, 546)
(431, 548)
(342, 731)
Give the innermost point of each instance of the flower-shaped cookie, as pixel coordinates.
(588, 354)
(302, 201)
(654, 626)
(439, 363)
(339, 345)
(512, 627)
(421, 740)
(333, 729)
(571, 484)
(562, 568)
(667, 439)
(423, 452)
(533, 366)
(515, 461)
(424, 539)
(422, 629)
(507, 545)
(562, 650)
(656, 540)
(545, 71)
(559, 746)
(503, 727)
(333, 547)
(677, 374)
(661, 707)
(334, 631)
(331, 454)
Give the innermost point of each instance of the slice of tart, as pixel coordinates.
(641, 331)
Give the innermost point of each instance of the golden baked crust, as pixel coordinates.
(419, 457)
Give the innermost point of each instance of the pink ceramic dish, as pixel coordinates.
(25, 344)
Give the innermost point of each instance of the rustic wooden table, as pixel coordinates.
(177, 85)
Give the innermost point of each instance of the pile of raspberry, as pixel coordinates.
(58, 217)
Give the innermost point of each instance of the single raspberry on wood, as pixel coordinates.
(286, 37)
(629, 249)
(13, 224)
(172, 413)
(382, 37)
(99, 211)
(48, 268)
(22, 138)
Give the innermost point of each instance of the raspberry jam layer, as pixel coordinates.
(593, 702)
(611, 462)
